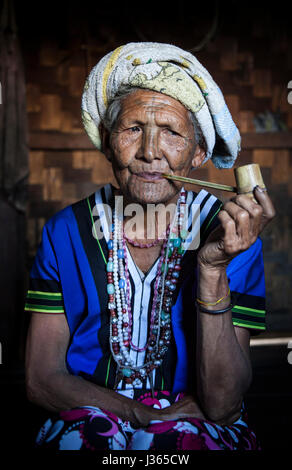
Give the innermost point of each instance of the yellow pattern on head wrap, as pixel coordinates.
(108, 68)
(200, 82)
(173, 82)
(185, 63)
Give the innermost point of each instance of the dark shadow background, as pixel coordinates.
(247, 49)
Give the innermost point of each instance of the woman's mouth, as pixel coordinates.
(150, 176)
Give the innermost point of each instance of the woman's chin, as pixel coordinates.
(151, 195)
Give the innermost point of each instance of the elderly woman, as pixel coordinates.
(139, 343)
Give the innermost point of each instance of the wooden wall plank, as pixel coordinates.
(281, 173)
(50, 118)
(262, 83)
(36, 165)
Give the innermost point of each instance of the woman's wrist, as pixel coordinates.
(213, 287)
(205, 267)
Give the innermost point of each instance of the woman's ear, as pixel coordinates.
(105, 141)
(198, 157)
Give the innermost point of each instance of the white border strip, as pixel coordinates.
(271, 341)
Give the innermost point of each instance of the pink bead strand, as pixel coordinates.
(159, 327)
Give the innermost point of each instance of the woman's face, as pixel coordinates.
(153, 135)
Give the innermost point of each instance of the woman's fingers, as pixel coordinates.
(242, 220)
(230, 238)
(265, 202)
(241, 217)
(250, 217)
(254, 213)
(185, 407)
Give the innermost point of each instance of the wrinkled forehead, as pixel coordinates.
(142, 103)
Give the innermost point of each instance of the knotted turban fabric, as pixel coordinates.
(170, 70)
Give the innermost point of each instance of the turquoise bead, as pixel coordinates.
(127, 372)
(110, 289)
(183, 233)
(180, 250)
(164, 315)
(110, 267)
(177, 242)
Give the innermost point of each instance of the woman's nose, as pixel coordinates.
(150, 144)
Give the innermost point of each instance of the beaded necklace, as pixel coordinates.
(119, 305)
(145, 245)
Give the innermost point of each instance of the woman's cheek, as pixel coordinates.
(176, 157)
(124, 140)
(122, 177)
(122, 153)
(175, 147)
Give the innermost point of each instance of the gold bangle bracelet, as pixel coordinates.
(212, 304)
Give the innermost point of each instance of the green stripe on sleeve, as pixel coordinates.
(31, 294)
(249, 324)
(40, 310)
(43, 308)
(248, 311)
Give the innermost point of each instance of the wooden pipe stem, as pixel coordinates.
(247, 178)
(208, 184)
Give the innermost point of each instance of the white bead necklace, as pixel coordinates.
(119, 305)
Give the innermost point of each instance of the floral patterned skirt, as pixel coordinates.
(91, 428)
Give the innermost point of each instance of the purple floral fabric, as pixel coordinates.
(91, 428)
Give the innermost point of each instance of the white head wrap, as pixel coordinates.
(170, 70)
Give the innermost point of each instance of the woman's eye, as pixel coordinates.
(172, 132)
(134, 129)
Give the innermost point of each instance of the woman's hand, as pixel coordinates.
(187, 407)
(242, 220)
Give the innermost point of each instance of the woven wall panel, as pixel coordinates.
(281, 169)
(245, 121)
(230, 60)
(261, 80)
(49, 53)
(36, 166)
(51, 113)
(33, 95)
(76, 81)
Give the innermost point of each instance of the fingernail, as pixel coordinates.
(261, 190)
